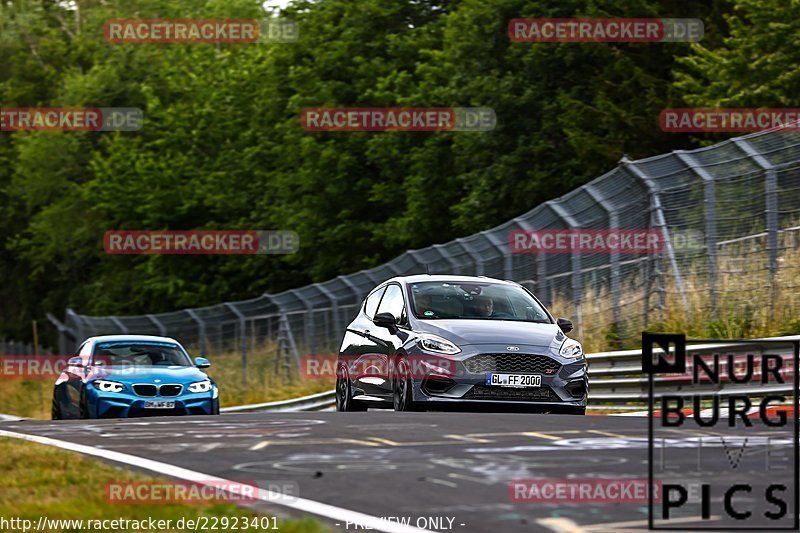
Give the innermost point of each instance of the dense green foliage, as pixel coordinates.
(222, 145)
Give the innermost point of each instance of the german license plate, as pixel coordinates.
(514, 380)
(162, 404)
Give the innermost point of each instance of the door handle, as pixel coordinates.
(366, 333)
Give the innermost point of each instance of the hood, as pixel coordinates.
(466, 332)
(147, 374)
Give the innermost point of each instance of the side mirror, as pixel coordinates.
(564, 324)
(75, 361)
(201, 362)
(385, 320)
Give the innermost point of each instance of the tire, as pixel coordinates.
(344, 392)
(402, 388)
(83, 408)
(55, 409)
(215, 407)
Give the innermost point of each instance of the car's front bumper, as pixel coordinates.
(566, 387)
(129, 405)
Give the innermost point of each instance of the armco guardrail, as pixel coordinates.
(314, 402)
(614, 378)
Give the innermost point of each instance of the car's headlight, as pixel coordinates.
(200, 386)
(434, 343)
(108, 386)
(571, 348)
(215, 395)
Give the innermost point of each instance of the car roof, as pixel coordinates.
(132, 338)
(418, 278)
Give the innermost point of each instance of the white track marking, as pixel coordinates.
(639, 525)
(560, 525)
(300, 504)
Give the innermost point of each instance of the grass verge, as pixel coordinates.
(40, 481)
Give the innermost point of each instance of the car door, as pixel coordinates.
(388, 341)
(359, 349)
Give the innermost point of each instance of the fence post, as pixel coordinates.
(616, 289)
(119, 324)
(201, 331)
(660, 221)
(476, 257)
(338, 324)
(308, 323)
(63, 330)
(439, 249)
(710, 200)
(81, 334)
(502, 247)
(575, 258)
(242, 337)
(771, 207)
(161, 329)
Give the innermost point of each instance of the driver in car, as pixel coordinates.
(483, 306)
(424, 304)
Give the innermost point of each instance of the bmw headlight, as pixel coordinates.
(200, 386)
(108, 386)
(571, 348)
(434, 343)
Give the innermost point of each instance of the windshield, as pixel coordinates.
(139, 354)
(469, 300)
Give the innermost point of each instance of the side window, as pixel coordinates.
(372, 302)
(85, 351)
(393, 303)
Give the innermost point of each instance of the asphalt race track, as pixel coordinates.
(387, 464)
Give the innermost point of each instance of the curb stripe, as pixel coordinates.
(300, 504)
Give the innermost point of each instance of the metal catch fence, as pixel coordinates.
(729, 215)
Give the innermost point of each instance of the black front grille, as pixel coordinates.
(483, 392)
(512, 362)
(145, 390)
(170, 390)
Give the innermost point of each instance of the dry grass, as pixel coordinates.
(266, 381)
(743, 310)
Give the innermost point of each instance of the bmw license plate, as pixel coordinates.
(514, 380)
(162, 404)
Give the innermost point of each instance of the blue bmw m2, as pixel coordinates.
(120, 376)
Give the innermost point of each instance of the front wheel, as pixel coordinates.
(83, 407)
(344, 392)
(55, 409)
(403, 391)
